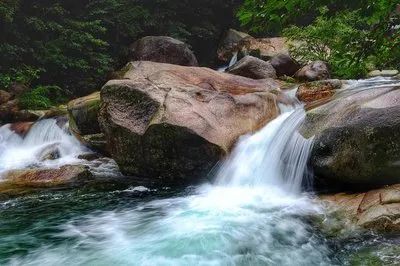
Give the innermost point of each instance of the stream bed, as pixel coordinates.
(116, 223)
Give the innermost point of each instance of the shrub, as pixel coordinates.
(41, 97)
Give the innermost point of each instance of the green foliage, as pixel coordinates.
(41, 97)
(75, 44)
(23, 75)
(353, 37)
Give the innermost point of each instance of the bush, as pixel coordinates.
(41, 97)
(24, 75)
(352, 36)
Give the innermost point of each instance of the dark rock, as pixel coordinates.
(83, 114)
(252, 67)
(357, 139)
(284, 65)
(163, 49)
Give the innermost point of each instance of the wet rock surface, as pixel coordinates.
(176, 122)
(376, 209)
(357, 137)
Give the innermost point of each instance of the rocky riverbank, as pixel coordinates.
(163, 117)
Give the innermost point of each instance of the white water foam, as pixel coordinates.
(275, 156)
(253, 215)
(18, 152)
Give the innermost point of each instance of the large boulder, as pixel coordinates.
(376, 209)
(357, 137)
(284, 65)
(163, 49)
(177, 122)
(47, 177)
(252, 67)
(317, 70)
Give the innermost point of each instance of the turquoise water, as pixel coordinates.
(118, 224)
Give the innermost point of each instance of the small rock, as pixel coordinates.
(50, 152)
(89, 156)
(285, 65)
(252, 67)
(383, 73)
(67, 174)
(317, 70)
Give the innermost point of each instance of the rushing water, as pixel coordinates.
(17, 152)
(254, 214)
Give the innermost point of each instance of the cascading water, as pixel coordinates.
(254, 214)
(251, 216)
(44, 137)
(233, 61)
(275, 156)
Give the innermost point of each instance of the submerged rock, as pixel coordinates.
(317, 70)
(64, 175)
(50, 152)
(376, 209)
(252, 67)
(357, 138)
(163, 49)
(177, 122)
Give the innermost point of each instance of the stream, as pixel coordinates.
(256, 211)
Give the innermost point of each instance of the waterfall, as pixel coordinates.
(44, 139)
(274, 156)
(233, 61)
